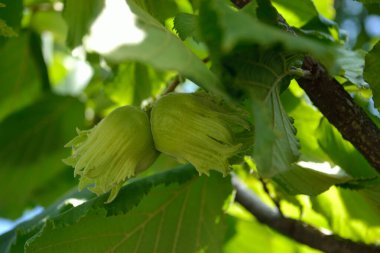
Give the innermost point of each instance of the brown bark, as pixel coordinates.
(340, 109)
(296, 229)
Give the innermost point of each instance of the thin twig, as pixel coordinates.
(172, 86)
(177, 80)
(240, 3)
(271, 196)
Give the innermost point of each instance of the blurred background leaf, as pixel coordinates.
(79, 15)
(10, 19)
(32, 148)
(371, 72)
(22, 77)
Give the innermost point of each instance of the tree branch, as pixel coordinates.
(240, 3)
(296, 229)
(340, 109)
(337, 105)
(354, 125)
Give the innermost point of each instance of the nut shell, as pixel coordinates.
(120, 146)
(195, 128)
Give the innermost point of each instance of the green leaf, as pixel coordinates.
(6, 241)
(342, 153)
(306, 121)
(252, 236)
(266, 13)
(321, 29)
(275, 146)
(144, 39)
(135, 82)
(369, 1)
(79, 14)
(325, 8)
(351, 64)
(186, 26)
(159, 9)
(236, 28)
(296, 12)
(369, 212)
(10, 19)
(371, 72)
(372, 194)
(318, 180)
(20, 81)
(50, 21)
(340, 207)
(38, 130)
(169, 212)
(210, 31)
(14, 240)
(31, 152)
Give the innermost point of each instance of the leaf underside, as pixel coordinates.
(263, 74)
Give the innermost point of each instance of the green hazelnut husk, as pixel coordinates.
(117, 148)
(198, 129)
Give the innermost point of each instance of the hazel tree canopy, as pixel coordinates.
(189, 126)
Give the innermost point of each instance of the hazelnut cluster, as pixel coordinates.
(194, 128)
